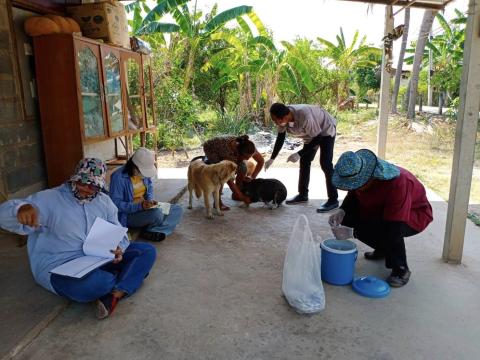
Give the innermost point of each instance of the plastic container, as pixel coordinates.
(371, 286)
(338, 261)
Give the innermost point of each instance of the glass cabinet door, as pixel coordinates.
(113, 90)
(133, 91)
(91, 90)
(148, 91)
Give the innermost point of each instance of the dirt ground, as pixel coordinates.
(167, 159)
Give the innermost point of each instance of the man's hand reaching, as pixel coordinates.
(268, 163)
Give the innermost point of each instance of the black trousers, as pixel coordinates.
(384, 236)
(326, 157)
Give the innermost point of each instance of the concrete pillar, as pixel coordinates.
(384, 105)
(465, 136)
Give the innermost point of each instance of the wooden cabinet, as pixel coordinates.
(90, 95)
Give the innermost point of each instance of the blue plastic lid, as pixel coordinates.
(371, 286)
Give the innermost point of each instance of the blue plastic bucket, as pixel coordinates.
(338, 261)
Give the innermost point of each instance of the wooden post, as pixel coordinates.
(466, 132)
(384, 92)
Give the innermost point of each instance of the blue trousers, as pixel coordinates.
(153, 220)
(126, 276)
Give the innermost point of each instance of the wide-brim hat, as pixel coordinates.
(144, 160)
(354, 169)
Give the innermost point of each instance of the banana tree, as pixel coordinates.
(233, 59)
(190, 24)
(279, 71)
(344, 58)
(259, 57)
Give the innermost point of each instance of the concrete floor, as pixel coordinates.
(25, 308)
(215, 293)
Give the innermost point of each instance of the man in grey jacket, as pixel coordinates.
(317, 128)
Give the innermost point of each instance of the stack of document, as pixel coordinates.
(97, 247)
(164, 206)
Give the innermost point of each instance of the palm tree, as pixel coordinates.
(345, 58)
(190, 25)
(427, 21)
(447, 50)
(398, 73)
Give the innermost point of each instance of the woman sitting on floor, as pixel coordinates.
(57, 222)
(132, 191)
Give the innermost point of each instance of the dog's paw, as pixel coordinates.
(210, 216)
(220, 213)
(190, 207)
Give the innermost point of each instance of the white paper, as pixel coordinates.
(81, 266)
(102, 238)
(164, 206)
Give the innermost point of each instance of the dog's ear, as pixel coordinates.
(225, 171)
(232, 166)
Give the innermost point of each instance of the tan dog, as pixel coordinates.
(209, 179)
(250, 167)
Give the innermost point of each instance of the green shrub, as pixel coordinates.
(227, 124)
(452, 112)
(177, 114)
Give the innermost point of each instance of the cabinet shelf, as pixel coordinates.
(90, 94)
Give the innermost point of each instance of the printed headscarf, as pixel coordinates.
(88, 171)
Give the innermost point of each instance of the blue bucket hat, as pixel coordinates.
(354, 169)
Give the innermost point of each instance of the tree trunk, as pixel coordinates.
(440, 103)
(407, 96)
(190, 66)
(398, 74)
(428, 17)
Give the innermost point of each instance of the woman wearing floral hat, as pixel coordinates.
(384, 204)
(57, 222)
(131, 190)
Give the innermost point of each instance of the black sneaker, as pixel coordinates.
(399, 277)
(106, 305)
(152, 236)
(374, 255)
(328, 206)
(297, 199)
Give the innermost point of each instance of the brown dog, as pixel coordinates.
(209, 179)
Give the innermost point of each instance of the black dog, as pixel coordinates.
(271, 191)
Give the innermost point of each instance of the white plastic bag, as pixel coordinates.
(302, 281)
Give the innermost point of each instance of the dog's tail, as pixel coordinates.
(203, 157)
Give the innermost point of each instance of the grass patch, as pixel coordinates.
(427, 154)
(474, 218)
